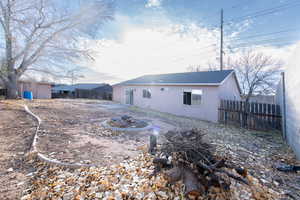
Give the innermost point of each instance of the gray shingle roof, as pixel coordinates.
(205, 77)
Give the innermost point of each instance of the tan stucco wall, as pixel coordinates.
(229, 89)
(171, 100)
(39, 90)
(292, 85)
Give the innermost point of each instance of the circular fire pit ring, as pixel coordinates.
(126, 123)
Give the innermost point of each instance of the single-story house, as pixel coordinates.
(83, 90)
(191, 94)
(288, 97)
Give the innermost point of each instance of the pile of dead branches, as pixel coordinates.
(186, 157)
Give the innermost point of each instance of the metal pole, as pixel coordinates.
(221, 42)
(72, 77)
(284, 106)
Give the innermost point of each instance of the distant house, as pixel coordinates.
(288, 96)
(83, 90)
(192, 94)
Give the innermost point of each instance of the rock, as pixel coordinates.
(276, 183)
(10, 169)
(115, 119)
(68, 196)
(26, 197)
(126, 117)
(21, 183)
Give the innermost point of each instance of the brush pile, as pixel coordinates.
(186, 157)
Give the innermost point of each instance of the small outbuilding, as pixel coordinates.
(40, 90)
(191, 94)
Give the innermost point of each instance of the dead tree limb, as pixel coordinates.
(192, 185)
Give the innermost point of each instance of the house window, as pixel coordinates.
(192, 98)
(196, 97)
(187, 98)
(146, 93)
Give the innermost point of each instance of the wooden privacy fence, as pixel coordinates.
(258, 116)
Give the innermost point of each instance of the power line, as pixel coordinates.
(264, 34)
(265, 12)
(270, 40)
(231, 7)
(254, 43)
(244, 45)
(239, 4)
(266, 44)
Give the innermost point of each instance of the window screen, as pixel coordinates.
(196, 97)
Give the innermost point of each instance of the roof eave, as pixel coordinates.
(176, 84)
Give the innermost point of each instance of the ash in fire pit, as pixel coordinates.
(126, 123)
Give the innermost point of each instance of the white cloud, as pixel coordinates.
(153, 3)
(151, 51)
(157, 49)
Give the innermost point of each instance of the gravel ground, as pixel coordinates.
(16, 134)
(70, 132)
(257, 151)
(74, 125)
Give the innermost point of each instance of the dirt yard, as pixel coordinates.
(16, 133)
(71, 132)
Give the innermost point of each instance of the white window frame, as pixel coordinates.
(194, 94)
(197, 96)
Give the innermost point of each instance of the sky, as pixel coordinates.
(167, 36)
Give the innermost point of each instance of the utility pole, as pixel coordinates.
(221, 42)
(72, 77)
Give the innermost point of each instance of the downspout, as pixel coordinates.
(284, 106)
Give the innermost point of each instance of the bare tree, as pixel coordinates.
(40, 35)
(198, 68)
(257, 73)
(74, 74)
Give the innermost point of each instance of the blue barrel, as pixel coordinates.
(27, 95)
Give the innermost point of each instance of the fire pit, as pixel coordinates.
(126, 123)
